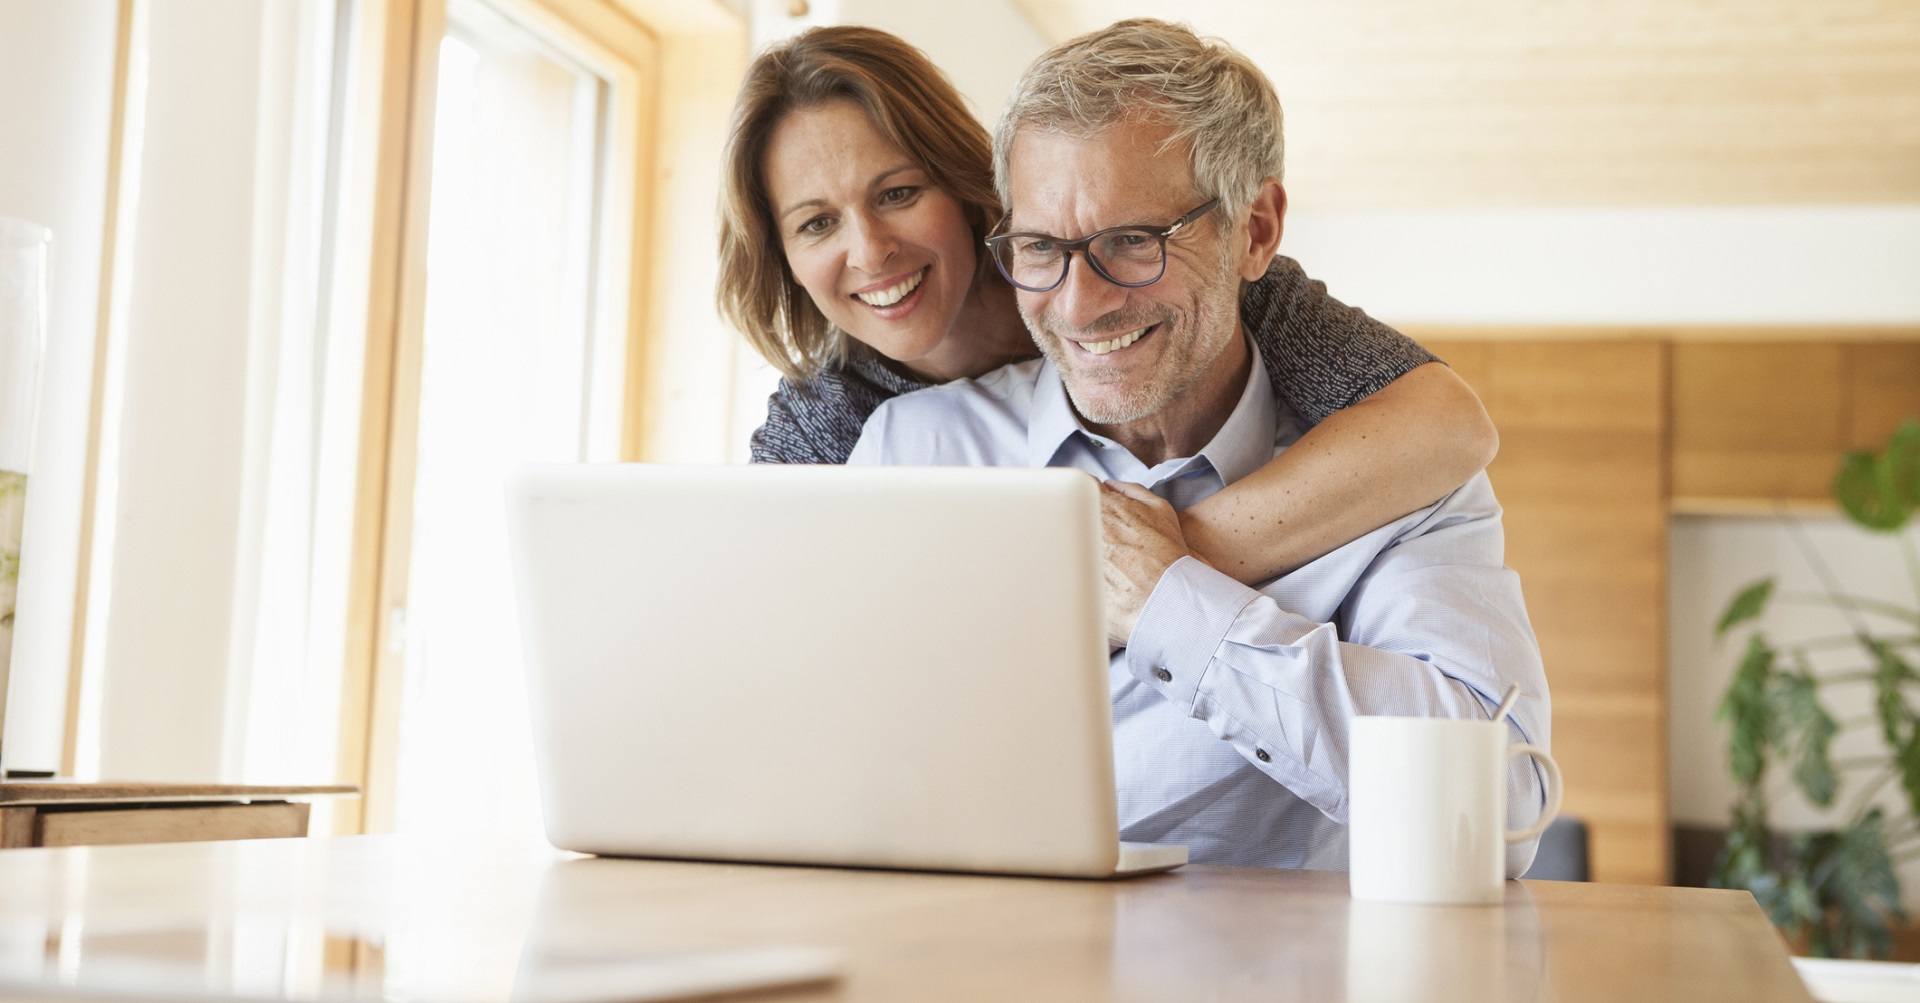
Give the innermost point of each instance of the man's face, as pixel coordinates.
(1069, 187)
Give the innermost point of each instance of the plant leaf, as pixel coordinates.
(1889, 704)
(1748, 710)
(1802, 908)
(1805, 731)
(1908, 758)
(1863, 888)
(1742, 860)
(1881, 490)
(1903, 463)
(1749, 604)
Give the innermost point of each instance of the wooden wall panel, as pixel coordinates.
(1602, 436)
(1580, 474)
(1883, 388)
(1756, 421)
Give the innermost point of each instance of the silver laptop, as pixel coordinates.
(873, 667)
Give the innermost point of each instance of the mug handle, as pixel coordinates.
(1554, 791)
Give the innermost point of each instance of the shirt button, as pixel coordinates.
(1261, 755)
(1163, 675)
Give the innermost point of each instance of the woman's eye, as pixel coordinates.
(899, 196)
(815, 226)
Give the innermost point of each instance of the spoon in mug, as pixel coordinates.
(1507, 702)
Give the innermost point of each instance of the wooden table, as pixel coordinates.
(451, 919)
(76, 813)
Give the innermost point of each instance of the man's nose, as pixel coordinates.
(1084, 296)
(872, 243)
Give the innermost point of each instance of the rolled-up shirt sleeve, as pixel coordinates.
(1435, 627)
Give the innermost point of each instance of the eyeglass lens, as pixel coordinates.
(1126, 256)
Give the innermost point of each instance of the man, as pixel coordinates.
(1139, 166)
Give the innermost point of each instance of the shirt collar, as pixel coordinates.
(1244, 443)
(1052, 421)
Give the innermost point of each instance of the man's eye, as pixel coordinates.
(1130, 241)
(1035, 247)
(899, 196)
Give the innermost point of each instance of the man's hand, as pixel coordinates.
(1142, 540)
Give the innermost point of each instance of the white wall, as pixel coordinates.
(982, 45)
(56, 76)
(167, 526)
(1653, 265)
(1713, 558)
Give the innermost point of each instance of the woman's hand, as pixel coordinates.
(1142, 539)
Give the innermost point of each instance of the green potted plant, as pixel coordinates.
(1834, 892)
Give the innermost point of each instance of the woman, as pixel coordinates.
(858, 194)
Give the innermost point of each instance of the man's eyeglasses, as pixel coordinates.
(1131, 256)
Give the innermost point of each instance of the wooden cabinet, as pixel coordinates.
(66, 813)
(1602, 436)
(1755, 421)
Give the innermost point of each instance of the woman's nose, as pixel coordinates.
(872, 244)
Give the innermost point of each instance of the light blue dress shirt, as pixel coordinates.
(1231, 705)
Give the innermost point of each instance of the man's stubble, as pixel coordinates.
(1209, 314)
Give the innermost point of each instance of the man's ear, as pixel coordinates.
(1265, 221)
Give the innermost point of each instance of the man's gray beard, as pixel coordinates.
(1135, 403)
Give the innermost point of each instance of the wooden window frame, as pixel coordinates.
(635, 45)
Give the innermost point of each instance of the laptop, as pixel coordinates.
(847, 666)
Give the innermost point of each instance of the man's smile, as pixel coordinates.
(1120, 343)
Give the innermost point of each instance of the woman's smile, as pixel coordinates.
(894, 298)
(886, 254)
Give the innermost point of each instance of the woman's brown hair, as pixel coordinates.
(910, 102)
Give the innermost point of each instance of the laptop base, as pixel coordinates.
(1148, 858)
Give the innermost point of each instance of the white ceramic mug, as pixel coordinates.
(1427, 809)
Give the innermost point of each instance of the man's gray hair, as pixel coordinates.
(1215, 100)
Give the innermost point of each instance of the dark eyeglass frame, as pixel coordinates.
(1069, 247)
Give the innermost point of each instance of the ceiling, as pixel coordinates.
(1398, 103)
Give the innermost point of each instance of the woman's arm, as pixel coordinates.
(1363, 466)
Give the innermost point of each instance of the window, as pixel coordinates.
(512, 347)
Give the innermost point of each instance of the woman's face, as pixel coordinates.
(886, 256)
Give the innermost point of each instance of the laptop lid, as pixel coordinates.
(892, 667)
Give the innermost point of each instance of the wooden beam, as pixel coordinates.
(403, 34)
(123, 128)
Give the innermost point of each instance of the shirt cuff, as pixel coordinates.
(1183, 623)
